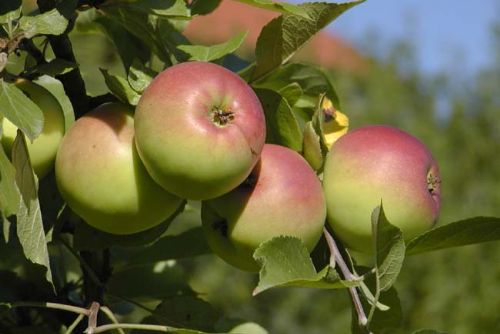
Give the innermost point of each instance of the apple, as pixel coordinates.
(282, 196)
(43, 149)
(380, 163)
(100, 176)
(199, 130)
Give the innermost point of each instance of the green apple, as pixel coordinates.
(43, 149)
(282, 196)
(102, 179)
(199, 130)
(380, 163)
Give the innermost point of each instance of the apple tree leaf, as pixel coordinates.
(54, 67)
(56, 88)
(311, 147)
(139, 76)
(165, 8)
(460, 233)
(9, 193)
(284, 35)
(389, 249)
(213, 52)
(281, 124)
(281, 7)
(20, 110)
(204, 7)
(286, 262)
(48, 23)
(120, 87)
(10, 10)
(29, 217)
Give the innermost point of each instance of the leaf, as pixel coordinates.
(166, 248)
(88, 238)
(167, 8)
(55, 87)
(29, 217)
(311, 148)
(9, 10)
(139, 77)
(54, 67)
(281, 7)
(204, 7)
(389, 249)
(48, 23)
(9, 193)
(286, 262)
(281, 125)
(248, 328)
(460, 233)
(213, 52)
(284, 35)
(20, 110)
(120, 88)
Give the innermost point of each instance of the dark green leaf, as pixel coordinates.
(311, 149)
(168, 8)
(286, 262)
(20, 110)
(9, 193)
(461, 233)
(120, 88)
(213, 52)
(140, 76)
(29, 218)
(48, 23)
(9, 10)
(281, 7)
(204, 7)
(389, 249)
(54, 67)
(281, 125)
(57, 89)
(89, 238)
(284, 35)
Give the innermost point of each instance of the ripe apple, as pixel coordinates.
(43, 149)
(101, 177)
(199, 130)
(380, 163)
(282, 196)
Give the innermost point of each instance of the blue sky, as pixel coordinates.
(448, 33)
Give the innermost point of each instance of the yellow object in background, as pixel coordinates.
(335, 124)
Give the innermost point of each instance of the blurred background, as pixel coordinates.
(432, 69)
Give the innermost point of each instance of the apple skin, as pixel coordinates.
(282, 196)
(43, 149)
(380, 163)
(184, 148)
(102, 179)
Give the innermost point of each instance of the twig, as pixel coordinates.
(337, 258)
(55, 306)
(92, 321)
(111, 317)
(144, 327)
(75, 323)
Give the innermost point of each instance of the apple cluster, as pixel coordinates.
(198, 133)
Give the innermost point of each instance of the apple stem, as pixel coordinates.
(336, 258)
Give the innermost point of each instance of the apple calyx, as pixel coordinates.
(433, 182)
(221, 117)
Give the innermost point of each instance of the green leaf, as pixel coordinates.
(88, 238)
(281, 125)
(20, 110)
(29, 217)
(9, 10)
(167, 8)
(48, 23)
(54, 67)
(460, 233)
(248, 328)
(389, 249)
(213, 52)
(311, 148)
(281, 7)
(204, 7)
(9, 193)
(139, 77)
(120, 88)
(55, 87)
(286, 262)
(284, 35)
